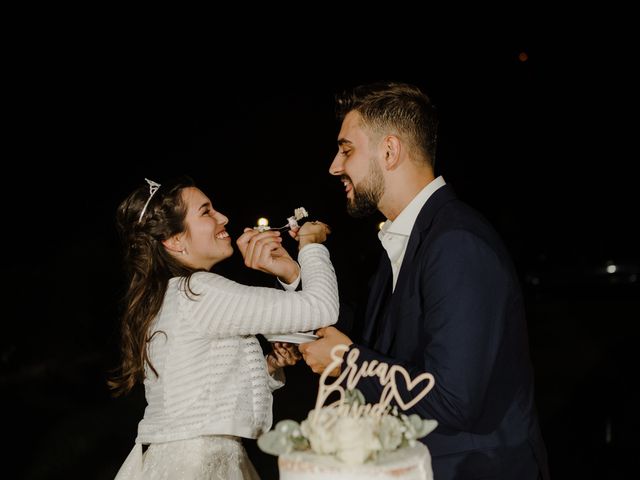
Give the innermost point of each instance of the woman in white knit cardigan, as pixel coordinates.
(189, 334)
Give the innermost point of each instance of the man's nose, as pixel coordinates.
(336, 167)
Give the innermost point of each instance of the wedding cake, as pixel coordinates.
(408, 463)
(351, 440)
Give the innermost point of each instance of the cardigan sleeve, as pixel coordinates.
(221, 307)
(277, 380)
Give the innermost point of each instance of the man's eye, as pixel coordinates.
(345, 153)
(206, 212)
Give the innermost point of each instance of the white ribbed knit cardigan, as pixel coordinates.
(212, 375)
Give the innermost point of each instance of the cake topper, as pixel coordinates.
(352, 374)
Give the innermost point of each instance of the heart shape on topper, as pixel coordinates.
(410, 384)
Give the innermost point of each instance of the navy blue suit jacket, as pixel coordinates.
(457, 312)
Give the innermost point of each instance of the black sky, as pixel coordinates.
(537, 146)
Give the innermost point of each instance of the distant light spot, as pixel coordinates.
(523, 57)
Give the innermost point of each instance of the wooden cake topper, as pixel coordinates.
(352, 374)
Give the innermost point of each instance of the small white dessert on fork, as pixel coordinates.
(292, 221)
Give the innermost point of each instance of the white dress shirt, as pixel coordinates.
(394, 236)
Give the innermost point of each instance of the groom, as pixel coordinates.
(445, 298)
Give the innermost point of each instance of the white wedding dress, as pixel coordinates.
(203, 458)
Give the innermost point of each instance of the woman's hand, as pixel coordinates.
(264, 251)
(282, 355)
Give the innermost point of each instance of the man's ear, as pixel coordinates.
(391, 145)
(173, 244)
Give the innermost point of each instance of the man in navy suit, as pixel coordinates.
(445, 298)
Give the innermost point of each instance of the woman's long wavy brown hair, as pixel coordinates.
(149, 267)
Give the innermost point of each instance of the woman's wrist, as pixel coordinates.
(271, 364)
(292, 275)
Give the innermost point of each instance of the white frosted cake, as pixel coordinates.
(410, 463)
(353, 440)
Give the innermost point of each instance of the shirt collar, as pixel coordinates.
(403, 224)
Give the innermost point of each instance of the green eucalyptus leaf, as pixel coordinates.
(288, 427)
(354, 397)
(275, 443)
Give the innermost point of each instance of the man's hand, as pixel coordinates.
(317, 354)
(311, 232)
(264, 251)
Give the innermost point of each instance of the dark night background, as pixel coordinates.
(538, 146)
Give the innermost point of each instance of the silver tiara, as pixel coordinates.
(153, 188)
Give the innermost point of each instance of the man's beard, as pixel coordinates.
(367, 196)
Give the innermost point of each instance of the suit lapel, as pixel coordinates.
(388, 327)
(378, 296)
(403, 289)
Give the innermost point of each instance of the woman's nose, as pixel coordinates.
(221, 218)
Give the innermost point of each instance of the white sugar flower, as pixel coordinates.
(356, 439)
(390, 432)
(318, 429)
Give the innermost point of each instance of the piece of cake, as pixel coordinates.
(298, 214)
(351, 440)
(292, 221)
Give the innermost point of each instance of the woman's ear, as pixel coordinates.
(173, 244)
